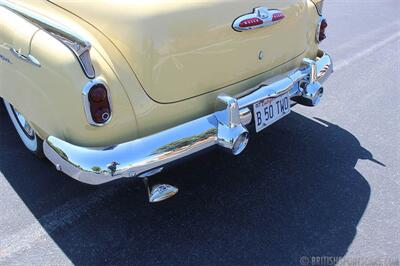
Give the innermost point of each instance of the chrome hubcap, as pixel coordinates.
(24, 124)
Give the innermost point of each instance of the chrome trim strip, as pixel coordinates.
(86, 103)
(78, 45)
(222, 128)
(318, 6)
(27, 58)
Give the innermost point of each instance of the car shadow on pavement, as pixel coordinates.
(293, 193)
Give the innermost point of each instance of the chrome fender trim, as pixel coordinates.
(27, 58)
(222, 128)
(77, 44)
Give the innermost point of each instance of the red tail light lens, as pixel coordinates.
(251, 22)
(101, 115)
(278, 16)
(99, 104)
(321, 35)
(97, 94)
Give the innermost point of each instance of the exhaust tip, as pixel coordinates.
(312, 95)
(240, 143)
(317, 98)
(161, 192)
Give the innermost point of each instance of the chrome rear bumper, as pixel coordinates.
(225, 128)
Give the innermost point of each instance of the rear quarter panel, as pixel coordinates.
(51, 96)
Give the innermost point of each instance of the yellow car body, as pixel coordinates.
(164, 62)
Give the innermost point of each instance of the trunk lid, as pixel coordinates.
(182, 49)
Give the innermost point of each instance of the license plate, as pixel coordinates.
(270, 110)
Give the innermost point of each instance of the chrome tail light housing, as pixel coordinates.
(97, 103)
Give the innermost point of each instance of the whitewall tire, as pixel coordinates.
(28, 136)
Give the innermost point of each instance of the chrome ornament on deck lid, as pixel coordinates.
(260, 18)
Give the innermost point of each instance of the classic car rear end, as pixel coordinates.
(183, 49)
(161, 80)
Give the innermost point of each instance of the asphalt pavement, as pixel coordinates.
(319, 185)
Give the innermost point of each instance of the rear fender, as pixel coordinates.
(50, 96)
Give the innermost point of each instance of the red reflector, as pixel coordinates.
(251, 22)
(278, 16)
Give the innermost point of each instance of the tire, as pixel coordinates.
(28, 136)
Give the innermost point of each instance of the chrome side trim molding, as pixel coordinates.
(78, 45)
(27, 58)
(224, 128)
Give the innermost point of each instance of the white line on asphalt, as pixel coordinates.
(356, 41)
(346, 62)
(66, 214)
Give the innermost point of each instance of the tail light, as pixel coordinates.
(97, 103)
(321, 30)
(251, 22)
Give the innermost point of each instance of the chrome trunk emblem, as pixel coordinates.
(260, 18)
